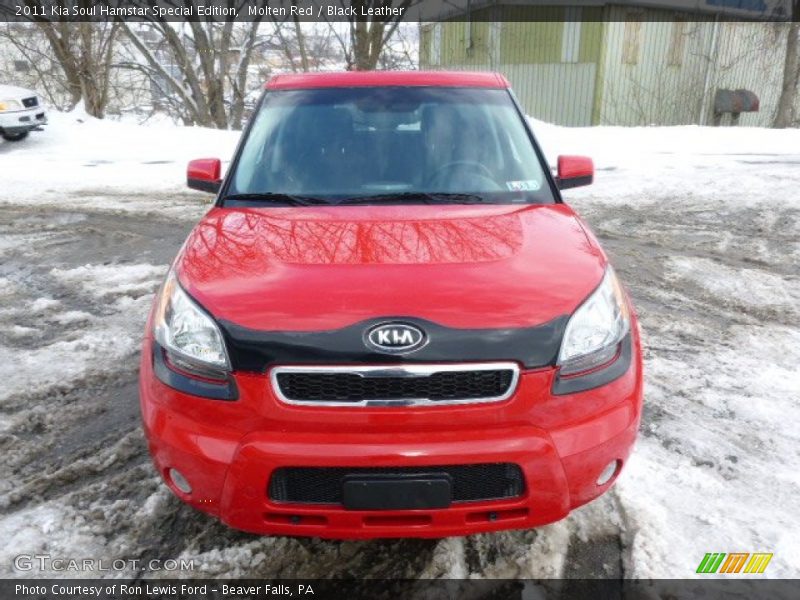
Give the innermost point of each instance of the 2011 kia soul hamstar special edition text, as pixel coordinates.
(390, 324)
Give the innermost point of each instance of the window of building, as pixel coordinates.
(632, 38)
(436, 45)
(571, 37)
(677, 44)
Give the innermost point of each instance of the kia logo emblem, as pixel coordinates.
(395, 338)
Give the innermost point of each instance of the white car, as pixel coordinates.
(21, 111)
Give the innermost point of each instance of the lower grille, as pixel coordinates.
(30, 102)
(393, 385)
(470, 483)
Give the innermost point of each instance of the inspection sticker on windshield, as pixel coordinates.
(527, 185)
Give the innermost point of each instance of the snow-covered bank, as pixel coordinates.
(737, 166)
(79, 161)
(84, 162)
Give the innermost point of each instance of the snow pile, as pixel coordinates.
(754, 288)
(609, 144)
(118, 297)
(106, 280)
(40, 531)
(78, 157)
(720, 473)
(740, 166)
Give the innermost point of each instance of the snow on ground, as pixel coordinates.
(82, 162)
(703, 225)
(104, 280)
(755, 289)
(720, 470)
(708, 224)
(119, 295)
(735, 166)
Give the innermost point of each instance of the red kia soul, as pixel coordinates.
(390, 324)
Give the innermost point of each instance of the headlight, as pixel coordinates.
(595, 330)
(191, 338)
(9, 105)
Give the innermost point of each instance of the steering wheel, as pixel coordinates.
(460, 163)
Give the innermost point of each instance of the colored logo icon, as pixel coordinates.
(734, 562)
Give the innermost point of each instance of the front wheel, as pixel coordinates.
(14, 137)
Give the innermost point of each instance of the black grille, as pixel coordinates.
(323, 485)
(351, 387)
(30, 102)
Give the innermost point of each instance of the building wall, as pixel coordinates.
(653, 69)
(616, 66)
(552, 64)
(666, 70)
(751, 56)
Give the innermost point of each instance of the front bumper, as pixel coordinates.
(227, 450)
(23, 120)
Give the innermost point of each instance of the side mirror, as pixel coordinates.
(204, 174)
(574, 171)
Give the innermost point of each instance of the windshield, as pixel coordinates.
(389, 144)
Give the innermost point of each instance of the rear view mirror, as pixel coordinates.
(204, 174)
(574, 171)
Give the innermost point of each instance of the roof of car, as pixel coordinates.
(295, 81)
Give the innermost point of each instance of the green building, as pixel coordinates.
(617, 63)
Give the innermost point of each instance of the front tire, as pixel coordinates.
(14, 137)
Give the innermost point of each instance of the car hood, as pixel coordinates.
(318, 268)
(14, 92)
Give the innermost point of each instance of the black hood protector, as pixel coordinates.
(256, 351)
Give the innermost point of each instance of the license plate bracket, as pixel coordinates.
(416, 491)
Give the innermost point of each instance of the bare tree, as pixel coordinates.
(367, 37)
(402, 49)
(28, 61)
(785, 115)
(301, 41)
(292, 42)
(83, 52)
(200, 66)
(198, 71)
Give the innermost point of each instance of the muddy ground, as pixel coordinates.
(74, 452)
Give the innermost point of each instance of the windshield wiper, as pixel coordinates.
(278, 198)
(423, 197)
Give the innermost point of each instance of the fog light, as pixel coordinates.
(179, 481)
(609, 472)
